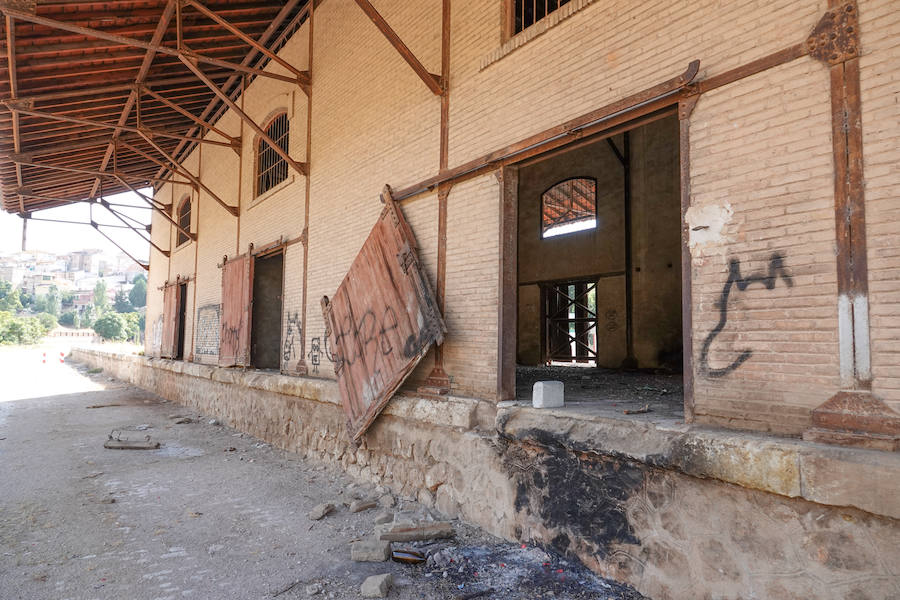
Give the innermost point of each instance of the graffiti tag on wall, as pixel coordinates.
(768, 278)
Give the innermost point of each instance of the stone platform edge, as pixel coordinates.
(865, 479)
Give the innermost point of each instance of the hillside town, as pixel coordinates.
(60, 294)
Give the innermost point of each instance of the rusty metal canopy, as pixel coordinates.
(79, 75)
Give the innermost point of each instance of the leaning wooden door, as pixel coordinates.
(382, 320)
(171, 309)
(237, 299)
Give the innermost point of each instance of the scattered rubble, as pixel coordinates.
(377, 586)
(314, 588)
(383, 517)
(361, 505)
(320, 510)
(404, 531)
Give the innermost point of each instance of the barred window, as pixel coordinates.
(272, 169)
(184, 220)
(569, 206)
(525, 13)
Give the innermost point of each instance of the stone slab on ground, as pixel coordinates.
(377, 586)
(320, 510)
(370, 550)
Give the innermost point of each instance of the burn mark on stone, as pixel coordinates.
(578, 496)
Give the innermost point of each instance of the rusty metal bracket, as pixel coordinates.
(406, 258)
(835, 38)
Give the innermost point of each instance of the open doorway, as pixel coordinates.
(599, 270)
(265, 335)
(182, 319)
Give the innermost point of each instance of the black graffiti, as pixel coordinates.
(315, 353)
(291, 336)
(768, 279)
(368, 336)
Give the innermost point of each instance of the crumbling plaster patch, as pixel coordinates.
(706, 224)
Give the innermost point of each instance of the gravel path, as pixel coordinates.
(212, 514)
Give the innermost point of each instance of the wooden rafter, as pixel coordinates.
(9, 10)
(14, 90)
(434, 82)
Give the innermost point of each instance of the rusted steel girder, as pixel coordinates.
(234, 141)
(297, 166)
(234, 210)
(19, 107)
(302, 76)
(434, 82)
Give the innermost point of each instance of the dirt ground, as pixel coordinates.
(211, 514)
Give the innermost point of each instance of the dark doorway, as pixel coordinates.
(599, 268)
(265, 335)
(179, 340)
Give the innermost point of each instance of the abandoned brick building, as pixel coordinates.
(377, 224)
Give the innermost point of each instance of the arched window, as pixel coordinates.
(184, 221)
(272, 169)
(569, 206)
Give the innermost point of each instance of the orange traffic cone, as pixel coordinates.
(44, 358)
(62, 357)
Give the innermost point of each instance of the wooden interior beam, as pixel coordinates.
(8, 8)
(302, 76)
(434, 82)
(14, 91)
(297, 166)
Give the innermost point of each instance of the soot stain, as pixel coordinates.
(579, 495)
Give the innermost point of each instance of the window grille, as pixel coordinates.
(272, 169)
(528, 12)
(569, 206)
(184, 221)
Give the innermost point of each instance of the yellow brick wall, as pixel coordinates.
(600, 54)
(760, 161)
(880, 81)
(761, 150)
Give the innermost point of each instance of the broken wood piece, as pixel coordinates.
(130, 444)
(638, 411)
(102, 405)
(410, 557)
(400, 532)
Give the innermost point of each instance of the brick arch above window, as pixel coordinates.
(271, 169)
(569, 206)
(183, 218)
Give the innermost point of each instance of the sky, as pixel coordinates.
(60, 238)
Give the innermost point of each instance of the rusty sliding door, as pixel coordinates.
(237, 301)
(382, 319)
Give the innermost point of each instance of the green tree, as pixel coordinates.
(133, 326)
(9, 297)
(48, 303)
(69, 318)
(101, 300)
(111, 326)
(66, 299)
(19, 330)
(138, 294)
(121, 303)
(48, 322)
